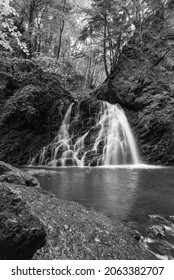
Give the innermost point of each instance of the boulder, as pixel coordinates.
(36, 224)
(32, 105)
(21, 233)
(10, 174)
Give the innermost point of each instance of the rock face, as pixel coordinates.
(32, 104)
(21, 233)
(143, 84)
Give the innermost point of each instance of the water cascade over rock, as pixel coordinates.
(119, 144)
(114, 142)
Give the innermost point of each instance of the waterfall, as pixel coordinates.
(62, 150)
(114, 143)
(119, 144)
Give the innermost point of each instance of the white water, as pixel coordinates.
(119, 144)
(114, 143)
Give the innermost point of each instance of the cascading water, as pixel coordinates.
(62, 152)
(114, 142)
(119, 144)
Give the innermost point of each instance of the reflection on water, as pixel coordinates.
(107, 190)
(133, 195)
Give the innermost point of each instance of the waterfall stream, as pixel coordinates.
(114, 142)
(119, 144)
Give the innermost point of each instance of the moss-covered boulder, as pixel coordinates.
(32, 105)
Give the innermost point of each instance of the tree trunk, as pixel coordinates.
(137, 19)
(31, 26)
(104, 44)
(62, 24)
(111, 49)
(39, 43)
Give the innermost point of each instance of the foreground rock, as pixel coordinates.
(76, 233)
(21, 233)
(10, 174)
(72, 232)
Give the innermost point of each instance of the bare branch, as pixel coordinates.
(22, 10)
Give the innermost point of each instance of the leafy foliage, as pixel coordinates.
(111, 24)
(44, 23)
(8, 29)
(88, 35)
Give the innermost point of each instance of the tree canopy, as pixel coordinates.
(89, 35)
(7, 26)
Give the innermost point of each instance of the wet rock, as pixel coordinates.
(74, 232)
(10, 174)
(156, 231)
(137, 235)
(21, 233)
(29, 216)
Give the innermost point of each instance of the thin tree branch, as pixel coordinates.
(161, 58)
(22, 10)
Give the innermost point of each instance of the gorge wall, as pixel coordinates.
(143, 84)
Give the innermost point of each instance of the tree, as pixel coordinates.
(111, 24)
(45, 22)
(108, 25)
(7, 27)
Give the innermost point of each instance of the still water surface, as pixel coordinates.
(142, 197)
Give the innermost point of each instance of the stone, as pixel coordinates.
(31, 114)
(157, 231)
(35, 224)
(10, 174)
(21, 233)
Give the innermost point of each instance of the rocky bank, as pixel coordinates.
(35, 224)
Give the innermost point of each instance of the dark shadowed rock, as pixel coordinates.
(21, 233)
(32, 105)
